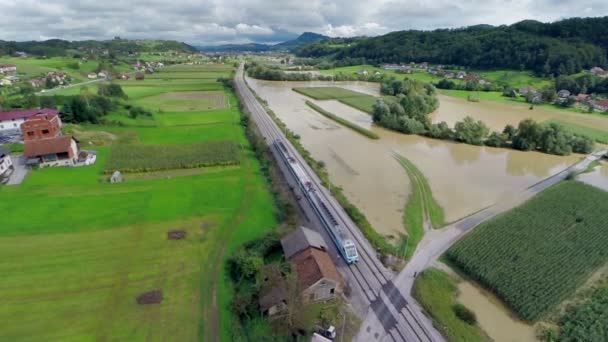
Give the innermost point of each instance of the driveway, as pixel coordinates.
(21, 170)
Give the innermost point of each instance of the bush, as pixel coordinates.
(464, 314)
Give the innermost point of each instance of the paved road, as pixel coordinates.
(20, 171)
(50, 91)
(390, 312)
(436, 242)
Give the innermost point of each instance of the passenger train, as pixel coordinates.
(345, 245)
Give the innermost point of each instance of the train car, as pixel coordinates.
(347, 248)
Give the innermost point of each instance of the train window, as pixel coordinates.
(351, 251)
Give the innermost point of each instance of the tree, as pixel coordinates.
(548, 94)
(528, 135)
(470, 131)
(509, 131)
(496, 140)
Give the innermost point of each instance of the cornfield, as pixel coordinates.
(536, 255)
(143, 158)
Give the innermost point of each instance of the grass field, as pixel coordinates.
(421, 207)
(185, 101)
(360, 101)
(436, 292)
(535, 256)
(79, 250)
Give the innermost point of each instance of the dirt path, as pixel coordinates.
(211, 329)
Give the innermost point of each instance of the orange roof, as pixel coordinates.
(312, 265)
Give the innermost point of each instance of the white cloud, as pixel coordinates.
(214, 21)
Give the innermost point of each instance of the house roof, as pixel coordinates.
(602, 103)
(312, 265)
(24, 114)
(8, 66)
(300, 239)
(43, 147)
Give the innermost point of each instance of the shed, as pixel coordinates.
(116, 177)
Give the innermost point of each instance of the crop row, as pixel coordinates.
(536, 255)
(143, 158)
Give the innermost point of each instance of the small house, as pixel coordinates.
(125, 76)
(317, 275)
(601, 105)
(461, 75)
(8, 69)
(11, 121)
(363, 73)
(139, 76)
(563, 94)
(6, 164)
(92, 75)
(597, 71)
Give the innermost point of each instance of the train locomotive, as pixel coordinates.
(345, 245)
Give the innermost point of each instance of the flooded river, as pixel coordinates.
(598, 177)
(463, 178)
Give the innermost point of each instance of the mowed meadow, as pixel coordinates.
(76, 250)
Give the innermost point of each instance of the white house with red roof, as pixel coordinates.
(8, 68)
(10, 122)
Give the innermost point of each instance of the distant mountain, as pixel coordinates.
(59, 47)
(562, 47)
(304, 39)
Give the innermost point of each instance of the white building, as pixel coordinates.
(6, 164)
(8, 68)
(10, 122)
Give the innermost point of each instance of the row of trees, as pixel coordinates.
(582, 84)
(516, 47)
(528, 136)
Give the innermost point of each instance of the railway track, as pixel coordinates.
(400, 322)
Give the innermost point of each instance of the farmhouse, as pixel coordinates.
(318, 278)
(8, 68)
(10, 122)
(6, 164)
(563, 94)
(59, 151)
(92, 75)
(41, 126)
(601, 105)
(317, 275)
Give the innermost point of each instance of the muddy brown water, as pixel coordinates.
(463, 178)
(598, 177)
(498, 114)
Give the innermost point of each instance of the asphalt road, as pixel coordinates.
(390, 313)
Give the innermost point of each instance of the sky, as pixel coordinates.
(213, 22)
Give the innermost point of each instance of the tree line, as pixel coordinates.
(546, 49)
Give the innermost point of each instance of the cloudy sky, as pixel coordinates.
(210, 22)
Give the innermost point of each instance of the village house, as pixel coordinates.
(597, 71)
(41, 126)
(318, 278)
(393, 67)
(37, 83)
(8, 69)
(6, 164)
(363, 73)
(10, 122)
(140, 76)
(581, 98)
(601, 105)
(92, 75)
(125, 76)
(59, 151)
(57, 77)
(20, 54)
(461, 75)
(563, 94)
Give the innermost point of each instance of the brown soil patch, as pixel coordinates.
(151, 297)
(176, 235)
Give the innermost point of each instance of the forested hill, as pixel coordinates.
(563, 47)
(58, 47)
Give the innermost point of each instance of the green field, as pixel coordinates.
(535, 256)
(78, 251)
(360, 101)
(184, 101)
(421, 207)
(436, 292)
(142, 158)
